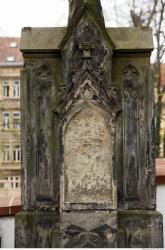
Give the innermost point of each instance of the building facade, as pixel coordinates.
(10, 151)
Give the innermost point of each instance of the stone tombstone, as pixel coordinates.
(88, 174)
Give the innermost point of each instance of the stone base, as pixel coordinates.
(140, 229)
(89, 229)
(136, 229)
(37, 230)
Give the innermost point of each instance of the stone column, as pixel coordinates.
(137, 218)
(36, 225)
(88, 175)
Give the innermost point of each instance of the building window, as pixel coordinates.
(16, 153)
(16, 89)
(14, 182)
(16, 120)
(10, 59)
(5, 120)
(13, 45)
(5, 152)
(5, 88)
(10, 182)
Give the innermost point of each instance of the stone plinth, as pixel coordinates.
(140, 228)
(37, 230)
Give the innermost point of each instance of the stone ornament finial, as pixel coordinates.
(76, 6)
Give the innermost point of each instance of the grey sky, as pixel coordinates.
(16, 14)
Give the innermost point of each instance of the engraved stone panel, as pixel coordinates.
(87, 158)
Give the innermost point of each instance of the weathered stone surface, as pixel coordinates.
(128, 38)
(41, 38)
(88, 111)
(131, 130)
(37, 230)
(88, 105)
(76, 9)
(125, 39)
(135, 133)
(87, 158)
(89, 229)
(40, 184)
(142, 228)
(88, 176)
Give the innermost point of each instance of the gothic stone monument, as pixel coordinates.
(88, 175)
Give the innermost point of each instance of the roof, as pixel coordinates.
(160, 170)
(10, 205)
(10, 51)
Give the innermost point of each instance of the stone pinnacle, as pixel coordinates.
(76, 6)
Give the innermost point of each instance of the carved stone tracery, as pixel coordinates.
(75, 236)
